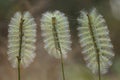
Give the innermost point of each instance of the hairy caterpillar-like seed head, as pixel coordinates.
(55, 29)
(95, 41)
(28, 39)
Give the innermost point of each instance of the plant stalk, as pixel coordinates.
(96, 47)
(20, 48)
(57, 45)
(19, 75)
(62, 65)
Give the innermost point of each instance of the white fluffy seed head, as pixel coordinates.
(28, 39)
(102, 40)
(62, 30)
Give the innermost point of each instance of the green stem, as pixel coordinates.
(62, 65)
(95, 45)
(20, 48)
(57, 45)
(19, 75)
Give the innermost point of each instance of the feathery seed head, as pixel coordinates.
(21, 28)
(95, 41)
(56, 33)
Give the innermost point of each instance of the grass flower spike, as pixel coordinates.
(95, 41)
(56, 33)
(21, 39)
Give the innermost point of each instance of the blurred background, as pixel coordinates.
(46, 67)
